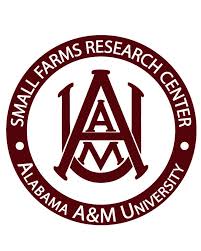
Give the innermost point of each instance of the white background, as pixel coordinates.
(28, 30)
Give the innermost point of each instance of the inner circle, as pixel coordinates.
(49, 129)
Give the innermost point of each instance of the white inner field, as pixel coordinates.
(45, 129)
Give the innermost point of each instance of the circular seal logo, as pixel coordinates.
(101, 130)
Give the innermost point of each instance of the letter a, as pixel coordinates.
(100, 80)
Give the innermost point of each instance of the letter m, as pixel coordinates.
(112, 146)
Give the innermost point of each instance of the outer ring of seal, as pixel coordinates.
(182, 134)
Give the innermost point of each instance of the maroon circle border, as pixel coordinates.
(15, 134)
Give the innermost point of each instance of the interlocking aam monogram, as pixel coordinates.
(71, 140)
